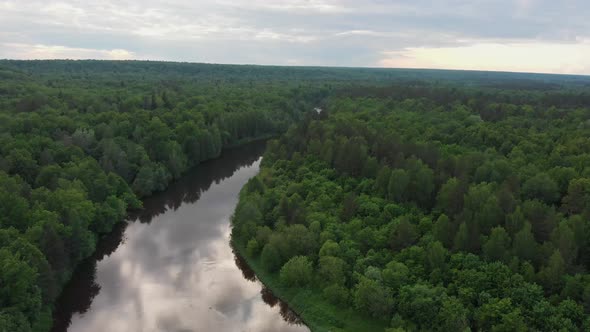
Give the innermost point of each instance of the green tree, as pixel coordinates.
(515, 221)
(481, 211)
(370, 168)
(420, 303)
(403, 235)
(373, 298)
(564, 239)
(578, 196)
(524, 245)
(300, 240)
(500, 315)
(270, 257)
(421, 185)
(395, 275)
(436, 256)
(330, 248)
(398, 185)
(13, 321)
(452, 316)
(18, 287)
(462, 240)
(450, 197)
(551, 276)
(252, 247)
(497, 246)
(382, 181)
(297, 271)
(14, 211)
(332, 270)
(21, 162)
(541, 187)
(443, 230)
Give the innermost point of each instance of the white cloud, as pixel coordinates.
(320, 6)
(570, 58)
(363, 33)
(525, 4)
(39, 51)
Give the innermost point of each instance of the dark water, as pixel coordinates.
(170, 267)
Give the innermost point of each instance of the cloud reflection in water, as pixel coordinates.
(171, 267)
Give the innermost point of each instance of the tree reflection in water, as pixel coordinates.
(247, 272)
(267, 295)
(82, 291)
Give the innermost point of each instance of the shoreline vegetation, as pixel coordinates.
(44, 321)
(64, 310)
(316, 313)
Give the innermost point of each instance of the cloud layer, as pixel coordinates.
(486, 34)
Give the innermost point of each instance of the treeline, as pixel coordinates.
(429, 215)
(78, 150)
(481, 96)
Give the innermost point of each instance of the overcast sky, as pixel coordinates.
(514, 35)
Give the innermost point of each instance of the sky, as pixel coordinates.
(551, 36)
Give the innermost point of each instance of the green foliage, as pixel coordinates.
(332, 270)
(577, 199)
(551, 276)
(252, 248)
(443, 231)
(541, 187)
(436, 256)
(453, 316)
(330, 248)
(11, 321)
(395, 275)
(420, 304)
(270, 257)
(398, 185)
(373, 298)
(18, 288)
(81, 142)
(466, 213)
(404, 234)
(497, 246)
(337, 294)
(297, 272)
(450, 197)
(445, 197)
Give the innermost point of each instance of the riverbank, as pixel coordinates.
(78, 291)
(317, 313)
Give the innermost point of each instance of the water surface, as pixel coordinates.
(170, 267)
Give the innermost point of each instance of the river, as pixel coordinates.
(170, 267)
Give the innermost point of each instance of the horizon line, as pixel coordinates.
(299, 66)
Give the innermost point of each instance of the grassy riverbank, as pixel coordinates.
(317, 313)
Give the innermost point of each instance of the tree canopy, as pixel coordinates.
(451, 197)
(436, 214)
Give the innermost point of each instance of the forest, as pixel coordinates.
(417, 199)
(82, 142)
(434, 209)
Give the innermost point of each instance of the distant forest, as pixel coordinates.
(452, 198)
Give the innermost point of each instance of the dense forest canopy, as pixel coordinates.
(425, 183)
(427, 213)
(82, 142)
